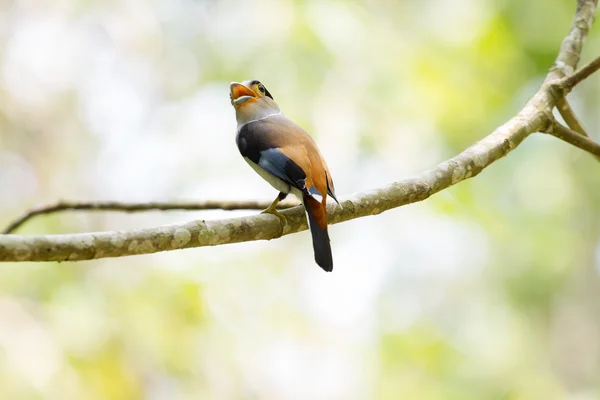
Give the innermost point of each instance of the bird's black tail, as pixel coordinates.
(317, 221)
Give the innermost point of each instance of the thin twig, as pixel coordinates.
(572, 80)
(565, 110)
(575, 133)
(575, 138)
(138, 207)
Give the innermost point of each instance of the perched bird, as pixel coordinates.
(284, 155)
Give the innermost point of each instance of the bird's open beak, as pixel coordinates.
(240, 94)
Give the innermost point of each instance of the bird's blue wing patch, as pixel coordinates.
(276, 163)
(280, 165)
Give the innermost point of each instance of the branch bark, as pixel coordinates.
(575, 134)
(572, 80)
(571, 46)
(535, 116)
(574, 138)
(569, 116)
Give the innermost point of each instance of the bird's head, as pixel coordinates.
(251, 101)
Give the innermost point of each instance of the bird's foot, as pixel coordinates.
(271, 210)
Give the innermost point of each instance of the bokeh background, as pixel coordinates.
(488, 290)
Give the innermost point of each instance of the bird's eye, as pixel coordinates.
(261, 88)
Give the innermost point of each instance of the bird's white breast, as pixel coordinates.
(273, 180)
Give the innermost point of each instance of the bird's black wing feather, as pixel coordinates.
(256, 143)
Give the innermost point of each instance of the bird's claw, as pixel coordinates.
(273, 211)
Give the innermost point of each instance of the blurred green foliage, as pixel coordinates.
(488, 290)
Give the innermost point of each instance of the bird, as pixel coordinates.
(284, 155)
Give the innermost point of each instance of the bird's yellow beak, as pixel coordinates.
(240, 94)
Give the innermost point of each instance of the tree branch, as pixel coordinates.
(565, 110)
(259, 227)
(576, 129)
(571, 46)
(571, 81)
(575, 138)
(139, 207)
(535, 116)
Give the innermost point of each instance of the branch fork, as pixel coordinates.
(574, 133)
